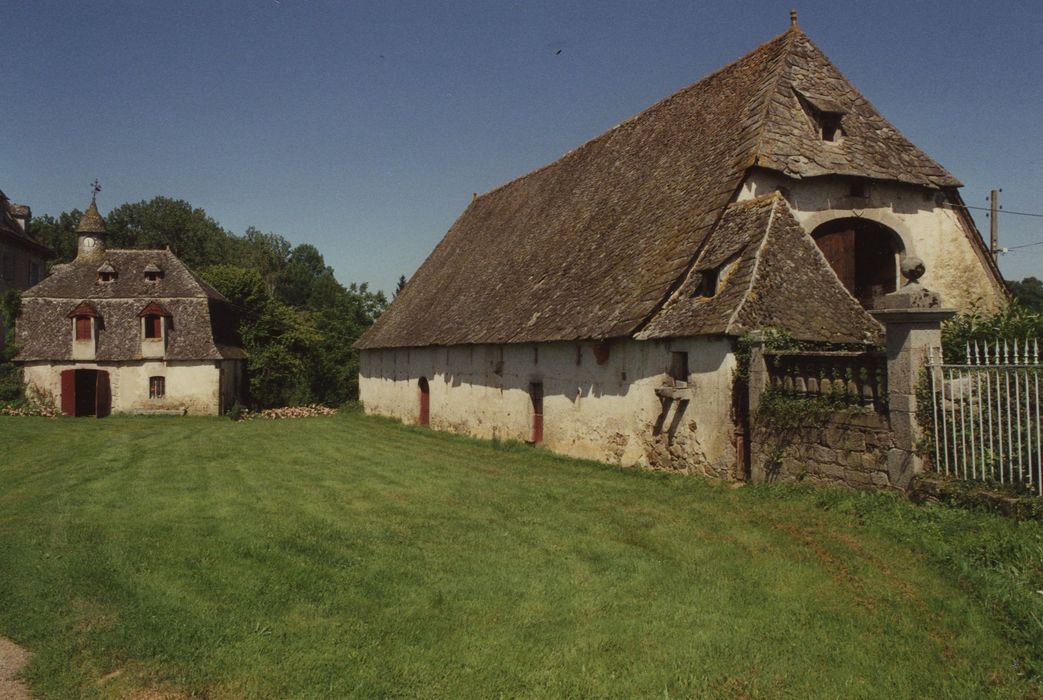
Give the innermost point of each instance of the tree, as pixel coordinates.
(1028, 292)
(399, 287)
(57, 234)
(163, 222)
(297, 282)
(10, 375)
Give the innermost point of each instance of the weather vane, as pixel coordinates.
(95, 189)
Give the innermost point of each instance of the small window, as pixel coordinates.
(829, 122)
(34, 272)
(157, 387)
(706, 285)
(106, 276)
(679, 366)
(9, 266)
(153, 326)
(83, 327)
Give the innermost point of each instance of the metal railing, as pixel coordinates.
(986, 414)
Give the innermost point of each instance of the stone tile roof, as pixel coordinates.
(203, 323)
(773, 276)
(593, 244)
(91, 221)
(11, 232)
(79, 279)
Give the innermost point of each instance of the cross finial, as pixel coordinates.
(793, 18)
(95, 189)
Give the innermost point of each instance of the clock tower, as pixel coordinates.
(91, 233)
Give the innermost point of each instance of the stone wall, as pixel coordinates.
(602, 401)
(854, 447)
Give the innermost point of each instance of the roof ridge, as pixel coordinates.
(772, 90)
(756, 265)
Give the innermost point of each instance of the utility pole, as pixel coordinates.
(994, 227)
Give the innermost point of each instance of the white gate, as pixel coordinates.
(987, 414)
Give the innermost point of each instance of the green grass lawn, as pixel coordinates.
(352, 556)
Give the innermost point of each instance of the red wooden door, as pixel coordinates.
(425, 402)
(839, 249)
(536, 394)
(102, 395)
(69, 392)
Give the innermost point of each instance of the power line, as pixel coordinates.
(1024, 245)
(1003, 211)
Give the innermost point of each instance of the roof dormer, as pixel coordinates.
(153, 273)
(825, 115)
(106, 273)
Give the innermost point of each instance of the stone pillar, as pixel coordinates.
(756, 385)
(912, 319)
(758, 374)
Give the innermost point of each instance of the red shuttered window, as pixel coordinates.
(83, 327)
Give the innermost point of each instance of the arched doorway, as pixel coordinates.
(864, 254)
(425, 402)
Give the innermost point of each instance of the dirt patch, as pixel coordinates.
(13, 659)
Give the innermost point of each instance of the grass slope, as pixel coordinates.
(352, 556)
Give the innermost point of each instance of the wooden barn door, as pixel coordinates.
(69, 392)
(102, 395)
(536, 394)
(425, 403)
(839, 249)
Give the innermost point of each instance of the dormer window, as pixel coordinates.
(153, 326)
(84, 327)
(825, 115)
(154, 323)
(106, 273)
(83, 323)
(153, 273)
(708, 283)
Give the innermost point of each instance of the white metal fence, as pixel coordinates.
(986, 414)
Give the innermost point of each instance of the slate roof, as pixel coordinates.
(592, 245)
(10, 230)
(203, 325)
(773, 276)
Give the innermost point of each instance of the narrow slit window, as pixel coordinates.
(679, 366)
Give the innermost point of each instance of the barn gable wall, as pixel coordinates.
(927, 222)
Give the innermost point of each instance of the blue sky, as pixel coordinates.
(364, 127)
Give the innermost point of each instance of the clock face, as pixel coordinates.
(88, 242)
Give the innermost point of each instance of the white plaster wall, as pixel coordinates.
(607, 412)
(190, 386)
(930, 231)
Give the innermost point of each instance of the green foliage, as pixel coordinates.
(774, 339)
(163, 222)
(11, 386)
(1015, 322)
(1028, 293)
(58, 234)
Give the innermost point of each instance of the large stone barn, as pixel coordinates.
(131, 331)
(595, 306)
